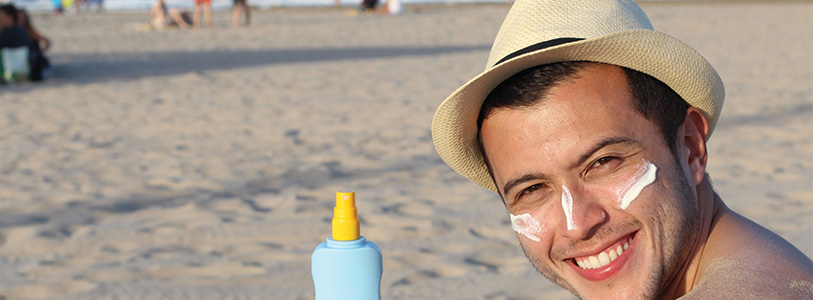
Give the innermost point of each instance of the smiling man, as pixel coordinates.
(592, 127)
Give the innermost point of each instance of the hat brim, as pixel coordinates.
(454, 127)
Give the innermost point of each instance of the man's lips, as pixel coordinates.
(605, 263)
(606, 256)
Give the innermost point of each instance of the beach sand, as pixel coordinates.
(203, 164)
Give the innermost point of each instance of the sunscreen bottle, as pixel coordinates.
(346, 266)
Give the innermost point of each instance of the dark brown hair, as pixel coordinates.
(652, 98)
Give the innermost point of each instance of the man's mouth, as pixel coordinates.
(605, 257)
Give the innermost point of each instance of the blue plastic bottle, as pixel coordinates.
(346, 266)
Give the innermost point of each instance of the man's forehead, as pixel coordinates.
(574, 116)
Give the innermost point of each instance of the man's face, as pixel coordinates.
(589, 181)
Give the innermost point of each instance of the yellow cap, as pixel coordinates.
(345, 217)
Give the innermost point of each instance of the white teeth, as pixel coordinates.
(613, 255)
(594, 262)
(603, 258)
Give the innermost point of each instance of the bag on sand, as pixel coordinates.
(14, 64)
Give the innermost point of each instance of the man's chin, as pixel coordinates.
(626, 288)
(622, 287)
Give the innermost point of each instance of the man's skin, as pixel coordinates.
(585, 139)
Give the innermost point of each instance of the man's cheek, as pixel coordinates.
(530, 226)
(642, 178)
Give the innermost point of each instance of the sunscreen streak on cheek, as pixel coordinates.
(526, 225)
(567, 206)
(633, 187)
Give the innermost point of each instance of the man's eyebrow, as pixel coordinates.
(598, 146)
(514, 182)
(584, 157)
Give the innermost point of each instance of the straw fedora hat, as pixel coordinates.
(538, 32)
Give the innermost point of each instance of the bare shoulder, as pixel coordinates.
(743, 260)
(736, 279)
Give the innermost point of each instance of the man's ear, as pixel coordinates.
(695, 131)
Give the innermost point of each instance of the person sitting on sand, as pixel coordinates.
(39, 62)
(14, 36)
(368, 5)
(11, 34)
(163, 18)
(592, 128)
(24, 21)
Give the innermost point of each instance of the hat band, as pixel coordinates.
(538, 46)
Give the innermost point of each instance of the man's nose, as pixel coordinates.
(582, 213)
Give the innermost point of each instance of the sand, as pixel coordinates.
(203, 164)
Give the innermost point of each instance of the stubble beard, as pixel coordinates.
(678, 242)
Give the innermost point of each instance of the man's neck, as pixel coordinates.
(710, 207)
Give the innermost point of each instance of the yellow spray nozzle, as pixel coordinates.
(345, 217)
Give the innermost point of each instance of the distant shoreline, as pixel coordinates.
(126, 6)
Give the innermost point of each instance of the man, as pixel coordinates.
(592, 128)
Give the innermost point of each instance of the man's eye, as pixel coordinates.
(605, 164)
(530, 190)
(604, 161)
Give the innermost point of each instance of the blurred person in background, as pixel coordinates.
(393, 7)
(14, 36)
(203, 7)
(24, 21)
(11, 35)
(162, 18)
(57, 7)
(40, 66)
(240, 6)
(368, 5)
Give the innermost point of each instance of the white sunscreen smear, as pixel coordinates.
(641, 179)
(567, 206)
(526, 225)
